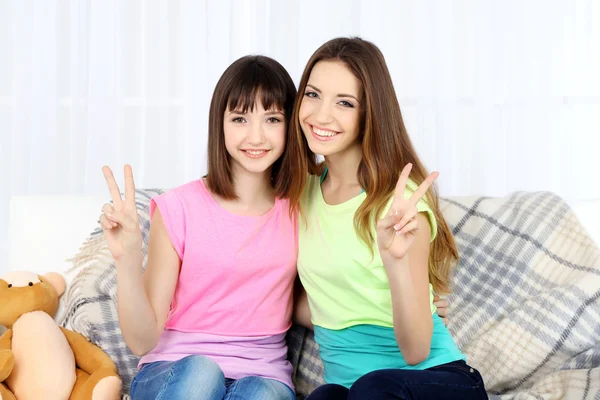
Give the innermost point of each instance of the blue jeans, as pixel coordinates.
(200, 378)
(455, 380)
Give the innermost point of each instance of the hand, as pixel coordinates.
(120, 220)
(396, 232)
(442, 308)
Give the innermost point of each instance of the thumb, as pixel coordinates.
(389, 221)
(122, 219)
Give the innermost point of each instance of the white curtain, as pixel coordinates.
(497, 95)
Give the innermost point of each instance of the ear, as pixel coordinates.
(57, 281)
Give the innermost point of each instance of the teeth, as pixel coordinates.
(255, 152)
(321, 132)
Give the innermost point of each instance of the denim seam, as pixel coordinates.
(443, 384)
(166, 385)
(229, 392)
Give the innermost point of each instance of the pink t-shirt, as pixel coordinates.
(234, 296)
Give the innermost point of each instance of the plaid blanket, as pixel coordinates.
(525, 307)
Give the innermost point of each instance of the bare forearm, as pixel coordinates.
(136, 316)
(413, 324)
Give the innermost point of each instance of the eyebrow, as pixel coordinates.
(339, 94)
(267, 113)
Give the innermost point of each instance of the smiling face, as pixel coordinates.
(254, 139)
(330, 111)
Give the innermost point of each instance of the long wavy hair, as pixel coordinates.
(386, 149)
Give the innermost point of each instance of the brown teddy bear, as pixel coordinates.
(38, 358)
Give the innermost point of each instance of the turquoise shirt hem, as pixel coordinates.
(350, 353)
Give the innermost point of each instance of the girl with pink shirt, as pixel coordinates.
(210, 313)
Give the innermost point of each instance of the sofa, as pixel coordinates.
(525, 306)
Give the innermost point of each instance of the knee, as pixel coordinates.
(371, 385)
(196, 377)
(255, 387)
(196, 366)
(329, 392)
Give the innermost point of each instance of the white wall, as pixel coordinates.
(498, 96)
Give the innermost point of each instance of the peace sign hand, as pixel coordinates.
(396, 231)
(120, 220)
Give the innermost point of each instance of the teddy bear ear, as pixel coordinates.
(57, 281)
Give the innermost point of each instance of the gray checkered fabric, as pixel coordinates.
(525, 307)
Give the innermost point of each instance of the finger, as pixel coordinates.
(108, 209)
(389, 221)
(441, 311)
(115, 193)
(129, 184)
(445, 320)
(105, 223)
(112, 220)
(401, 185)
(408, 228)
(440, 303)
(409, 215)
(108, 212)
(124, 220)
(423, 188)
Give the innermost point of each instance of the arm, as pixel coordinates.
(302, 314)
(144, 301)
(409, 285)
(88, 356)
(6, 340)
(7, 359)
(403, 240)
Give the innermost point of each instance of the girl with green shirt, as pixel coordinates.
(373, 244)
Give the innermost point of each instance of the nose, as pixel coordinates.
(323, 114)
(256, 135)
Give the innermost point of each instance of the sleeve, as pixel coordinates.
(173, 214)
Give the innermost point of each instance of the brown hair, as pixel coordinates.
(247, 80)
(386, 149)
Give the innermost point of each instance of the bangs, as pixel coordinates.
(255, 82)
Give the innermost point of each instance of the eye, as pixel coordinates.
(238, 120)
(345, 103)
(311, 94)
(273, 120)
(30, 283)
(10, 285)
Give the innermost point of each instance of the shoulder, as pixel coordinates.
(182, 194)
(174, 202)
(190, 189)
(175, 210)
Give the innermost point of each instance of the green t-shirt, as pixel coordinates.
(349, 293)
(347, 285)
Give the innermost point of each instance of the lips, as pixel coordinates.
(258, 153)
(323, 135)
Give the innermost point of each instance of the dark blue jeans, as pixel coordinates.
(455, 380)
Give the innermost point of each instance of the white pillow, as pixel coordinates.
(588, 213)
(45, 231)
